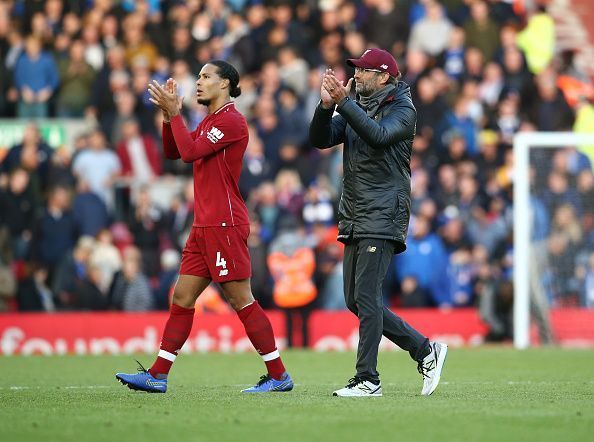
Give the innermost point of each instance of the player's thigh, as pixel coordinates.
(193, 261)
(226, 253)
(188, 288)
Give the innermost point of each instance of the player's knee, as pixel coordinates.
(183, 298)
(239, 302)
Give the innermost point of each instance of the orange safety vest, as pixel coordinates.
(293, 285)
(574, 89)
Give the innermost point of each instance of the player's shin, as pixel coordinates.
(177, 330)
(259, 330)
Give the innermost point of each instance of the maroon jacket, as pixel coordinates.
(152, 154)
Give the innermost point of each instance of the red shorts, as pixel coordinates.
(217, 253)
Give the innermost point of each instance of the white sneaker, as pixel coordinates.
(358, 387)
(430, 367)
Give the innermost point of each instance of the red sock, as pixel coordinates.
(177, 330)
(258, 328)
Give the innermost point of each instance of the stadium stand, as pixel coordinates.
(64, 210)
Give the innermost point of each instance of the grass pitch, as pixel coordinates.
(486, 394)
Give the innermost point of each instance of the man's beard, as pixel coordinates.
(364, 90)
(203, 101)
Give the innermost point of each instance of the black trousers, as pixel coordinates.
(366, 262)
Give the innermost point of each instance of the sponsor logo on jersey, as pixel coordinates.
(214, 134)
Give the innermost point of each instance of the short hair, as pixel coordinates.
(394, 80)
(228, 72)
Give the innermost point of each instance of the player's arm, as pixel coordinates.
(169, 147)
(218, 138)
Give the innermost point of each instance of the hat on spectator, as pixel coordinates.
(375, 58)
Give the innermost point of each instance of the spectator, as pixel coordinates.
(131, 291)
(8, 287)
(139, 50)
(89, 210)
(256, 167)
(71, 271)
(430, 106)
(588, 291)
(88, 294)
(550, 111)
(459, 119)
(36, 78)
(99, 166)
(481, 31)
(56, 230)
(261, 280)
(146, 224)
(33, 294)
(386, 24)
(413, 296)
(426, 261)
(431, 33)
(170, 260)
(33, 155)
(138, 155)
(106, 259)
(537, 40)
(293, 70)
(111, 79)
(17, 212)
(291, 263)
(452, 59)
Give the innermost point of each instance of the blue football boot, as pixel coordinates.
(142, 381)
(268, 384)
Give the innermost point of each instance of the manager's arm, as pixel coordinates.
(325, 131)
(397, 125)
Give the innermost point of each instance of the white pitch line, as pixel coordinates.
(70, 387)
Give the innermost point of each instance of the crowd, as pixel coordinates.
(480, 71)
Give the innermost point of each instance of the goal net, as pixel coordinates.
(553, 230)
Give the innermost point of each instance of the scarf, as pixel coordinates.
(372, 102)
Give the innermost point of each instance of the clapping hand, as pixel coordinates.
(166, 97)
(333, 91)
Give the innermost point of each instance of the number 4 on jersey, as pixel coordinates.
(222, 263)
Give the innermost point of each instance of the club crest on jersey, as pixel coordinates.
(214, 134)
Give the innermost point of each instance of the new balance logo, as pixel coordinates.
(224, 272)
(371, 249)
(384, 66)
(214, 134)
(364, 387)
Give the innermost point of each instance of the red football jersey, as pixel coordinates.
(216, 148)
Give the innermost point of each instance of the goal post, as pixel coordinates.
(522, 216)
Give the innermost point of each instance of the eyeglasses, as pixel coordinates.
(359, 70)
